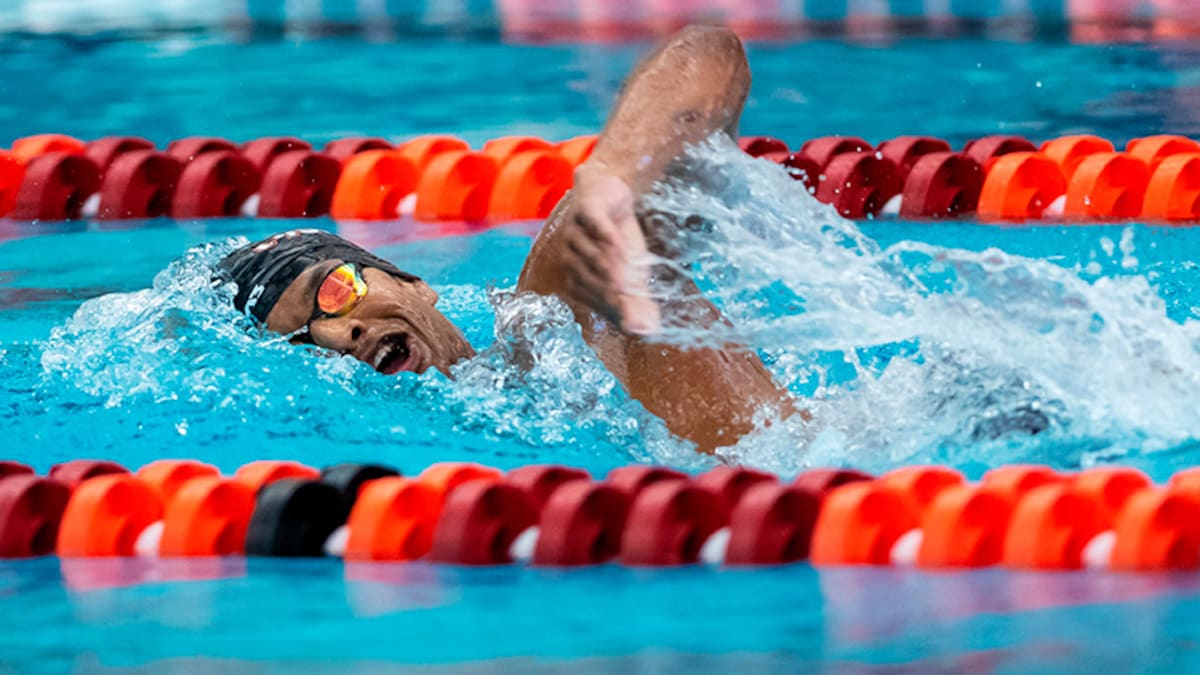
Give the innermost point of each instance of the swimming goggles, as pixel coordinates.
(339, 292)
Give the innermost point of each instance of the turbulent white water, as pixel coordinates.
(907, 353)
(992, 343)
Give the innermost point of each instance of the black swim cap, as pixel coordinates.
(265, 269)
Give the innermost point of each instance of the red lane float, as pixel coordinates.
(858, 184)
(344, 148)
(823, 150)
(31, 509)
(262, 151)
(188, 149)
(479, 522)
(942, 185)
(214, 184)
(13, 468)
(771, 524)
(669, 521)
(298, 184)
(581, 524)
(757, 146)
(990, 148)
(965, 526)
(103, 151)
(138, 184)
(55, 186)
(76, 471)
(906, 151)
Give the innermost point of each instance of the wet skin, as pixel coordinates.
(588, 254)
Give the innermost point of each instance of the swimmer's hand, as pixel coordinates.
(608, 264)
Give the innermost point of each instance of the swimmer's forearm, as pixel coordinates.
(693, 86)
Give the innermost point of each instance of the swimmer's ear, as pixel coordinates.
(426, 293)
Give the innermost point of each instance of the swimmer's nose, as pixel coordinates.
(345, 335)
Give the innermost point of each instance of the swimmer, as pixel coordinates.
(590, 252)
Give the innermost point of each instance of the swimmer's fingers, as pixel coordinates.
(609, 251)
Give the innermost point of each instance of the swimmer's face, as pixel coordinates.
(394, 327)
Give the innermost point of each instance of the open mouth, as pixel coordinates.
(394, 354)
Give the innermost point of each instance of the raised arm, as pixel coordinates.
(591, 251)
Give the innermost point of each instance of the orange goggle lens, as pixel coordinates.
(341, 290)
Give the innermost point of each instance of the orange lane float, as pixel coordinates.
(860, 523)
(12, 172)
(264, 472)
(1069, 151)
(1173, 193)
(372, 185)
(167, 476)
(577, 150)
(1050, 526)
(1158, 530)
(393, 519)
(965, 526)
(456, 185)
(919, 486)
(529, 184)
(1107, 185)
(105, 515)
(1019, 186)
(207, 516)
(423, 149)
(1154, 149)
(29, 147)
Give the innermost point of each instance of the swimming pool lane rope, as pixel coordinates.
(440, 178)
(1018, 516)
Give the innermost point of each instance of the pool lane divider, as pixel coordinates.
(1017, 517)
(999, 178)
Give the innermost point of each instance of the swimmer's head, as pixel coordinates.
(323, 290)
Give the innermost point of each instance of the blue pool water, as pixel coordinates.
(934, 347)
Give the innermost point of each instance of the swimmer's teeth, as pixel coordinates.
(383, 354)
